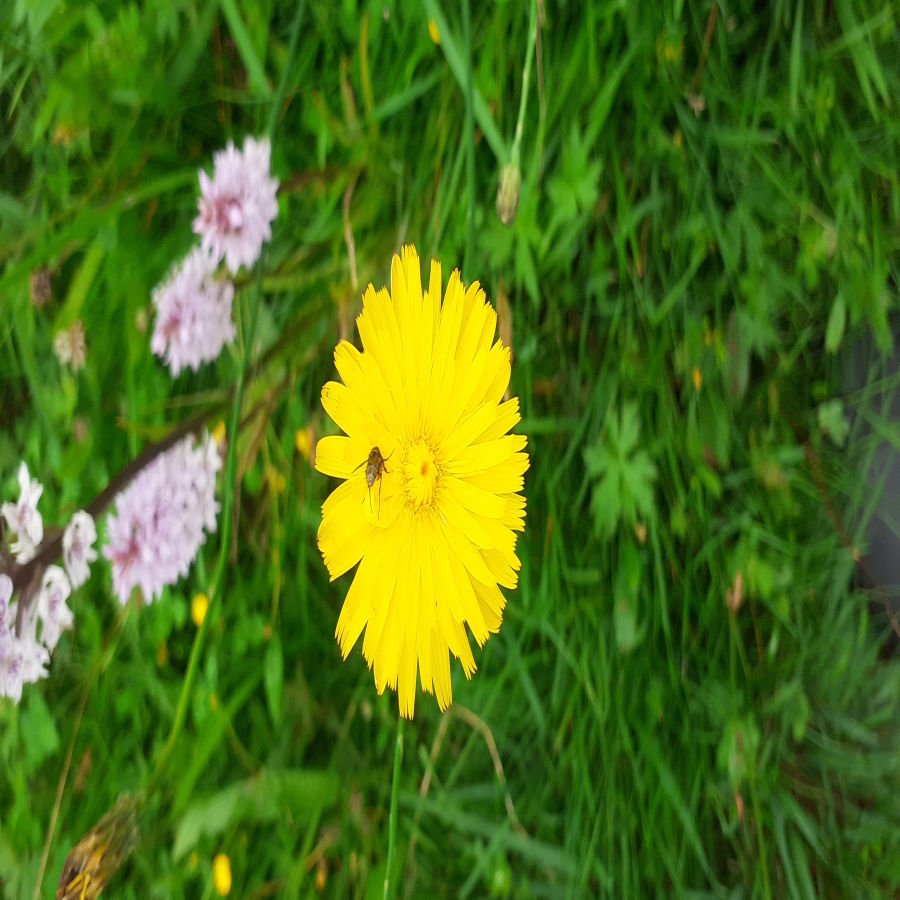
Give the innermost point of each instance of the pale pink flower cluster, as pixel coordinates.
(237, 207)
(193, 314)
(25, 647)
(238, 204)
(162, 518)
(23, 659)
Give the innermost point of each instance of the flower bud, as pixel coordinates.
(508, 193)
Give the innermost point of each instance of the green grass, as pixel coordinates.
(727, 206)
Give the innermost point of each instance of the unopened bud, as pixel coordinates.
(508, 193)
(40, 287)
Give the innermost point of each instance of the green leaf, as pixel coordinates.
(837, 321)
(627, 585)
(638, 477)
(265, 797)
(80, 286)
(605, 505)
(833, 422)
(457, 64)
(256, 73)
(737, 750)
(625, 625)
(629, 430)
(597, 460)
(38, 730)
(274, 679)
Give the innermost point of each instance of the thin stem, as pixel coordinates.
(470, 139)
(389, 885)
(760, 843)
(526, 75)
(218, 579)
(282, 84)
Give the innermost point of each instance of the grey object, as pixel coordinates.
(879, 570)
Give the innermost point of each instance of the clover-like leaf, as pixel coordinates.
(624, 474)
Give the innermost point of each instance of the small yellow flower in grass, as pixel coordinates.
(697, 378)
(303, 441)
(276, 481)
(222, 875)
(431, 499)
(433, 31)
(218, 433)
(199, 606)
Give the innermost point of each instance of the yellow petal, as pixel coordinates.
(351, 415)
(364, 379)
(440, 660)
(506, 417)
(338, 456)
(483, 456)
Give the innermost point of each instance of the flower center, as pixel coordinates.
(421, 474)
(226, 213)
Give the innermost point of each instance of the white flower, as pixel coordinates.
(161, 519)
(69, 346)
(193, 314)
(238, 204)
(78, 550)
(23, 518)
(22, 661)
(23, 657)
(55, 616)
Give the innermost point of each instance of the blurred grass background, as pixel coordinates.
(688, 696)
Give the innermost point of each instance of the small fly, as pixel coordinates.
(375, 467)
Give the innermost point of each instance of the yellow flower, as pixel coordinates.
(430, 504)
(222, 875)
(199, 606)
(433, 31)
(303, 441)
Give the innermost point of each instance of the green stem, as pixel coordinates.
(470, 140)
(389, 886)
(282, 84)
(218, 579)
(761, 847)
(526, 77)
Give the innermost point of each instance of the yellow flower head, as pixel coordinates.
(222, 875)
(199, 607)
(430, 503)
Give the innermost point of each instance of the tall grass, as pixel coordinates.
(686, 697)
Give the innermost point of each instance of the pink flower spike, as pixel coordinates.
(161, 519)
(193, 314)
(238, 204)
